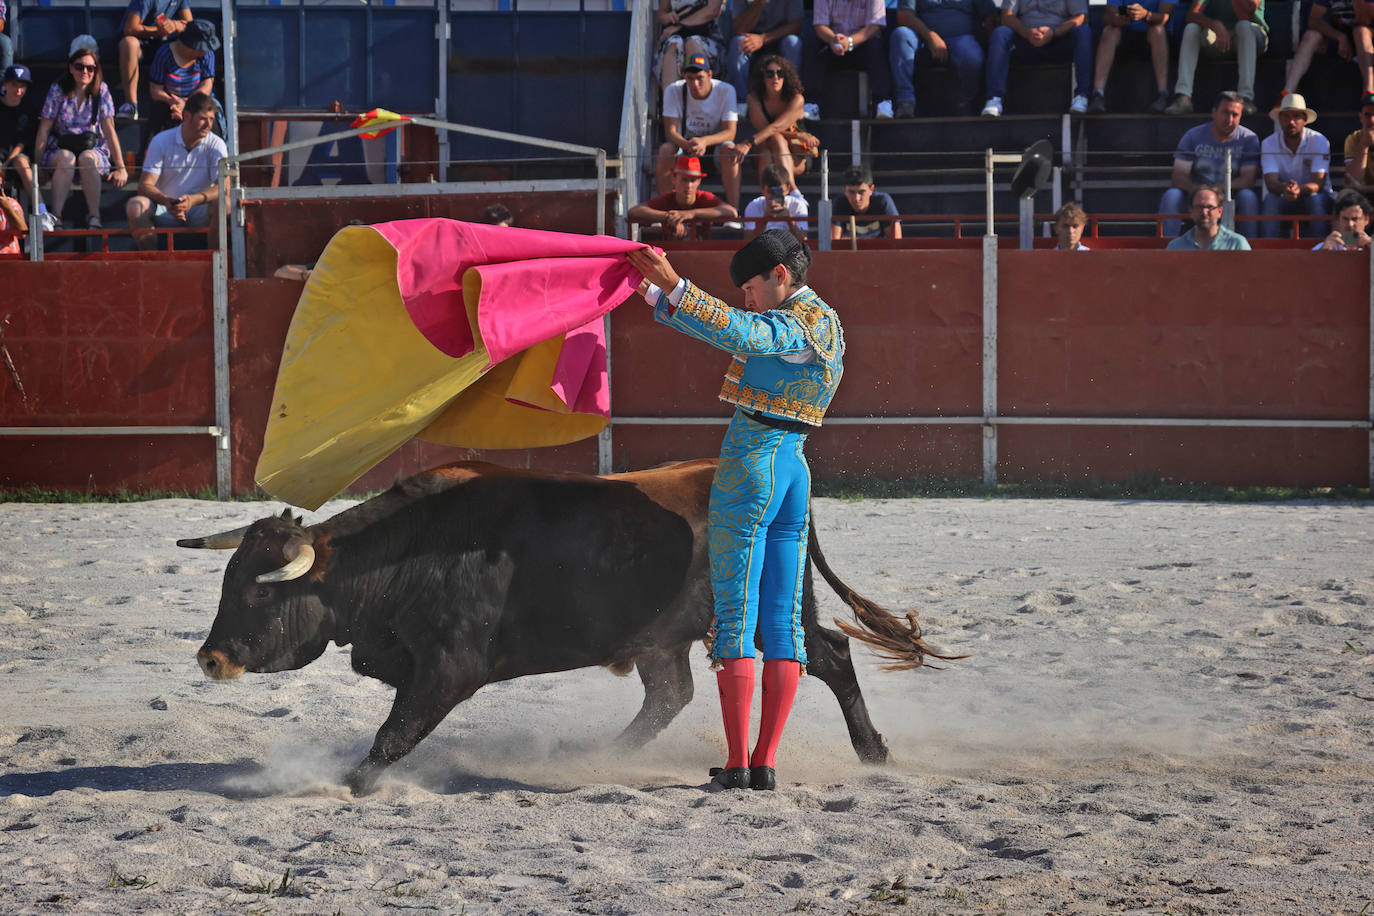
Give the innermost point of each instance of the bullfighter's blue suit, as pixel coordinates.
(787, 364)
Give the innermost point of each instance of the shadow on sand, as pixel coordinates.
(229, 780)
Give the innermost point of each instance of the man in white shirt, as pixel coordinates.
(1295, 160)
(779, 201)
(179, 183)
(700, 113)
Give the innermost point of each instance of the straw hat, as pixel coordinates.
(1293, 101)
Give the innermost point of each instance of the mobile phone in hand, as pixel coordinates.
(1349, 239)
(775, 195)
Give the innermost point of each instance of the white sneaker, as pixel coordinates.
(885, 109)
(993, 108)
(50, 223)
(812, 110)
(732, 225)
(1079, 105)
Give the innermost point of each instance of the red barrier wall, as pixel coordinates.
(1119, 334)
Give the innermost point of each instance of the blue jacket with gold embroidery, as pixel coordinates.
(759, 377)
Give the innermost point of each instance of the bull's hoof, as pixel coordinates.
(362, 780)
(732, 778)
(874, 754)
(763, 778)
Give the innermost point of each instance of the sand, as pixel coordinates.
(1169, 708)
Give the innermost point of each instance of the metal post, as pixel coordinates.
(987, 170)
(231, 78)
(1371, 365)
(441, 103)
(823, 206)
(223, 456)
(855, 145)
(1228, 213)
(990, 359)
(600, 192)
(1027, 226)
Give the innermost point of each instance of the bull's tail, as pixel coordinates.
(896, 639)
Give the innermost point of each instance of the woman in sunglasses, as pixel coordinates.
(77, 131)
(776, 107)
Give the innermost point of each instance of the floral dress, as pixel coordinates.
(70, 116)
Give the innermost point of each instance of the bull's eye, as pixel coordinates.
(263, 593)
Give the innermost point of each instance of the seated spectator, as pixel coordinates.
(1140, 24)
(775, 107)
(181, 67)
(1359, 163)
(780, 199)
(497, 215)
(1352, 222)
(147, 24)
(76, 130)
(688, 28)
(1040, 30)
(762, 27)
(1295, 160)
(6, 46)
(855, 213)
(179, 184)
(1200, 160)
(699, 114)
(939, 33)
(1069, 222)
(1208, 234)
(18, 125)
(12, 224)
(1222, 28)
(851, 34)
(676, 211)
(1334, 28)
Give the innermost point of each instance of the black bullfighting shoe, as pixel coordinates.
(733, 778)
(763, 778)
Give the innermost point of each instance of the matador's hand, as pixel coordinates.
(654, 266)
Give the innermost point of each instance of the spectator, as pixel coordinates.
(780, 200)
(776, 106)
(1208, 234)
(1295, 160)
(12, 224)
(938, 33)
(1069, 222)
(18, 124)
(1359, 164)
(6, 46)
(1142, 23)
(851, 39)
(762, 27)
(76, 130)
(1040, 30)
(676, 211)
(181, 67)
(698, 114)
(497, 215)
(1352, 222)
(179, 184)
(861, 207)
(1223, 28)
(1334, 27)
(689, 28)
(1200, 159)
(147, 23)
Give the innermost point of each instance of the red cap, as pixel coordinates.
(689, 166)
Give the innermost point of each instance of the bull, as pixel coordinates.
(472, 573)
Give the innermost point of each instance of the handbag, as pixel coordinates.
(800, 143)
(78, 143)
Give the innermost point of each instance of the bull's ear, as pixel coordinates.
(286, 513)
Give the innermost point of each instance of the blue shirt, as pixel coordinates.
(148, 10)
(1224, 240)
(951, 18)
(180, 81)
(775, 13)
(1208, 157)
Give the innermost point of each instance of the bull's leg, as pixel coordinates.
(667, 679)
(828, 658)
(420, 705)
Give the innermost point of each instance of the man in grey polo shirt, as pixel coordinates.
(178, 184)
(1208, 234)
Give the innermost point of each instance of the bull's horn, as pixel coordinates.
(299, 566)
(225, 540)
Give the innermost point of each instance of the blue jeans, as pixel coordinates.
(1004, 42)
(906, 53)
(737, 62)
(1311, 205)
(6, 52)
(1175, 200)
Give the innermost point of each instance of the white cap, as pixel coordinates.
(83, 43)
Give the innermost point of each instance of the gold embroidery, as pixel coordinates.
(707, 309)
(776, 405)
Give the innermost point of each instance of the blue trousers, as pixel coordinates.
(1176, 201)
(1311, 205)
(757, 529)
(907, 53)
(1004, 42)
(737, 62)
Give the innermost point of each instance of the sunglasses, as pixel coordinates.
(773, 74)
(84, 68)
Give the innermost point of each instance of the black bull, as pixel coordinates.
(472, 573)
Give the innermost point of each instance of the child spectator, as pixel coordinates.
(1334, 28)
(937, 33)
(18, 125)
(678, 211)
(1222, 28)
(1141, 23)
(1069, 222)
(776, 106)
(780, 200)
(181, 67)
(762, 27)
(147, 24)
(1359, 162)
(76, 130)
(689, 28)
(860, 206)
